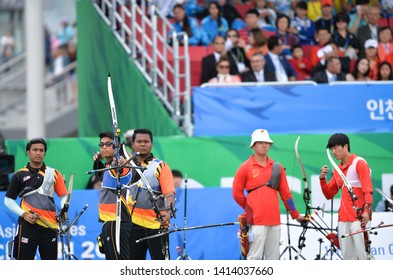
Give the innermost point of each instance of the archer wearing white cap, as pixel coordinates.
(263, 179)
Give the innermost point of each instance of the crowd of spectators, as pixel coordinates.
(297, 39)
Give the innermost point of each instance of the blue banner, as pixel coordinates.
(239, 110)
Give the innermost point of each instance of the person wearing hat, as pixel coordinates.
(355, 210)
(36, 183)
(263, 179)
(327, 19)
(108, 199)
(385, 205)
(370, 52)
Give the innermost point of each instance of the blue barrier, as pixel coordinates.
(238, 110)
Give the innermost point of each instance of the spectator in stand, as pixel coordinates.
(209, 69)
(229, 12)
(223, 76)
(327, 19)
(256, 42)
(302, 26)
(385, 72)
(282, 7)
(66, 32)
(344, 39)
(358, 19)
(7, 46)
(187, 24)
(361, 71)
(232, 15)
(236, 48)
(370, 52)
(267, 16)
(370, 30)
(251, 19)
(322, 38)
(277, 63)
(300, 63)
(385, 46)
(331, 73)
(213, 24)
(288, 39)
(314, 10)
(258, 72)
(387, 8)
(331, 50)
(193, 9)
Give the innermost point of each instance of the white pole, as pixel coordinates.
(35, 103)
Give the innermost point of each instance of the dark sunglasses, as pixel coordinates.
(223, 66)
(106, 144)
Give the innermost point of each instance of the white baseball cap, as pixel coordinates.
(371, 43)
(128, 133)
(260, 135)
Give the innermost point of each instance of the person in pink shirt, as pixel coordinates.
(263, 179)
(223, 75)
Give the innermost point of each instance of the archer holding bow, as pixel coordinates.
(107, 200)
(353, 178)
(264, 180)
(151, 198)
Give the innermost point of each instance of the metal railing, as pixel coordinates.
(144, 33)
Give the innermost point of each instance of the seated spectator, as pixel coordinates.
(184, 23)
(209, 69)
(232, 15)
(322, 38)
(229, 12)
(251, 19)
(385, 46)
(331, 73)
(257, 72)
(385, 72)
(370, 30)
(267, 16)
(283, 22)
(370, 52)
(327, 19)
(361, 71)
(302, 26)
(358, 18)
(277, 63)
(300, 63)
(223, 76)
(236, 48)
(213, 24)
(331, 50)
(344, 39)
(256, 42)
(314, 10)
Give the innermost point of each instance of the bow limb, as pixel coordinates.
(306, 199)
(116, 133)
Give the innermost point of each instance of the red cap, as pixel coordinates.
(326, 2)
